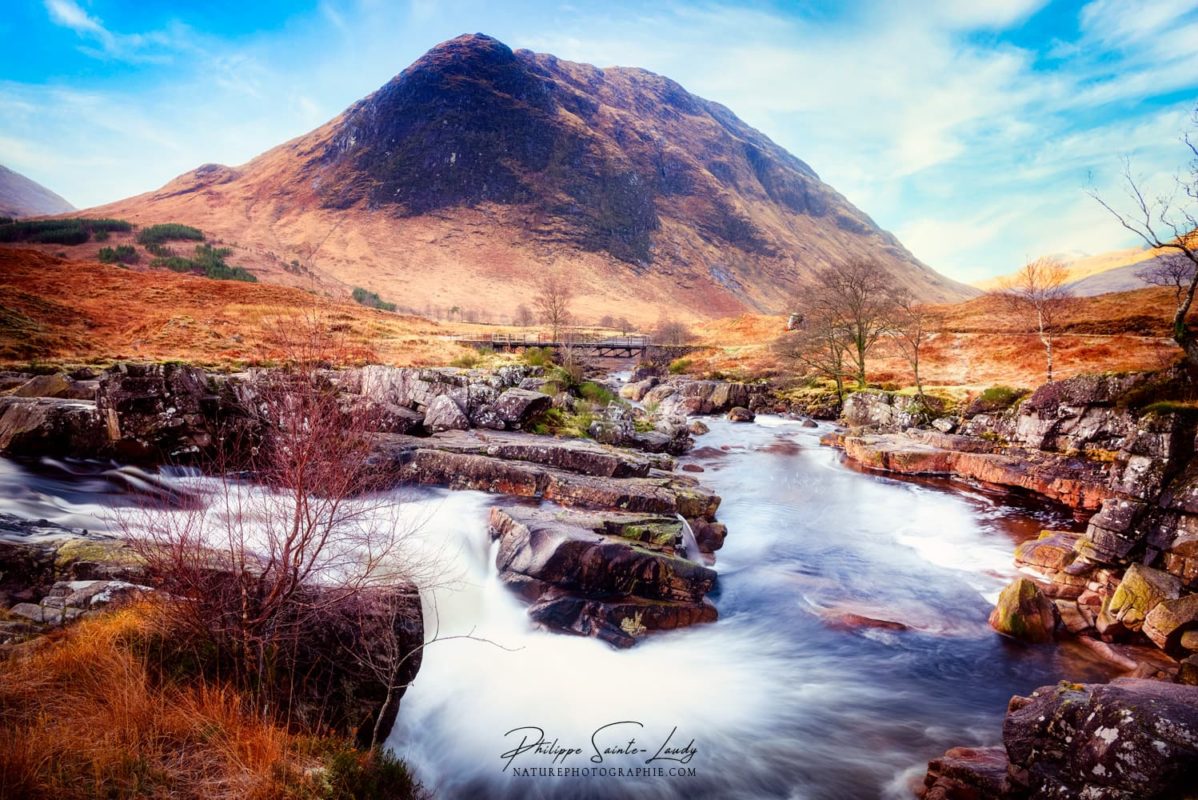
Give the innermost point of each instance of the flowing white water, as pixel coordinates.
(790, 694)
(793, 693)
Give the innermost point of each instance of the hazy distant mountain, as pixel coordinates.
(21, 197)
(477, 168)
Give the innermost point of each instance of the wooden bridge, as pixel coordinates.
(605, 346)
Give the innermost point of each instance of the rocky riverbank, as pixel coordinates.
(608, 569)
(1125, 587)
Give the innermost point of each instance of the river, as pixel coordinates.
(793, 693)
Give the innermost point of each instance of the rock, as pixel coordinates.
(32, 426)
(697, 427)
(809, 423)
(397, 459)
(741, 414)
(565, 401)
(1169, 620)
(157, 411)
(444, 414)
(1128, 739)
(1026, 613)
(637, 390)
(1187, 671)
(1141, 589)
(1075, 482)
(488, 417)
(1051, 552)
(57, 385)
(967, 773)
(708, 535)
(692, 468)
(618, 622)
(586, 575)
(517, 406)
(588, 553)
(944, 424)
(383, 416)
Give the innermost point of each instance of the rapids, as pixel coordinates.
(852, 644)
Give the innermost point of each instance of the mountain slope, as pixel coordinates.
(21, 197)
(478, 168)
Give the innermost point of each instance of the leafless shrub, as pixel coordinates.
(1040, 295)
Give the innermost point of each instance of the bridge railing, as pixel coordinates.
(570, 338)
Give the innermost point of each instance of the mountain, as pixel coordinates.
(21, 197)
(477, 169)
(1092, 275)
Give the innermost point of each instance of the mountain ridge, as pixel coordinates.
(24, 197)
(487, 166)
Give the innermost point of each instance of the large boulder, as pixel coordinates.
(567, 550)
(612, 575)
(741, 414)
(517, 406)
(1024, 612)
(37, 426)
(444, 414)
(1125, 740)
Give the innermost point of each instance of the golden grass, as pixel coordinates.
(81, 717)
(981, 344)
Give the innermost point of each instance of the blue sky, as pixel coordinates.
(969, 128)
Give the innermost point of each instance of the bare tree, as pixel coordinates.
(624, 325)
(913, 325)
(257, 575)
(821, 345)
(672, 333)
(1170, 223)
(552, 301)
(853, 303)
(1039, 293)
(524, 317)
(1171, 271)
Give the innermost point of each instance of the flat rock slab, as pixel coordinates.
(574, 455)
(1074, 482)
(446, 463)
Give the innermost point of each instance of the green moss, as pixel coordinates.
(595, 392)
(680, 365)
(996, 398)
(98, 551)
(1163, 407)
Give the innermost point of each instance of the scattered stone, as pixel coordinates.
(741, 414)
(697, 427)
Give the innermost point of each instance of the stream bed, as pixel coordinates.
(852, 643)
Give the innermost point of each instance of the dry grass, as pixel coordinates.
(81, 716)
(981, 344)
(62, 312)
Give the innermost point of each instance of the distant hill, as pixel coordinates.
(21, 197)
(1115, 271)
(477, 168)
